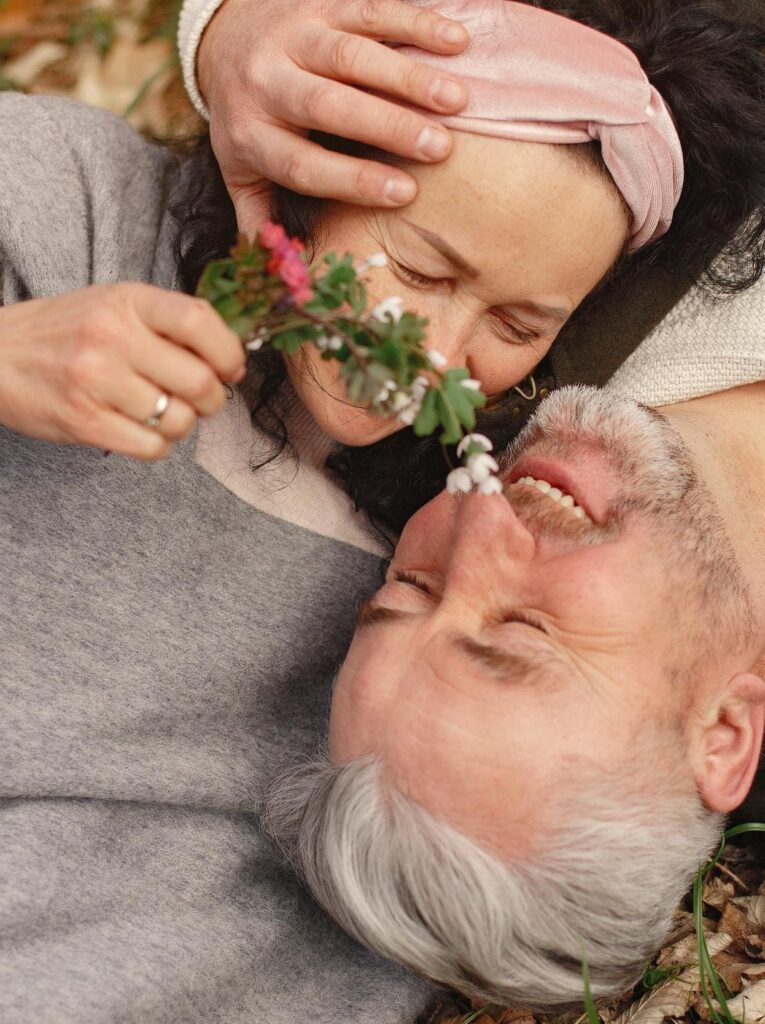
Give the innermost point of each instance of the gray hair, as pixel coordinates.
(603, 880)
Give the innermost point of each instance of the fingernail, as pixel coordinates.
(433, 142)
(446, 93)
(451, 34)
(399, 190)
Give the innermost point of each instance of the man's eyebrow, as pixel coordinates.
(446, 250)
(514, 667)
(371, 614)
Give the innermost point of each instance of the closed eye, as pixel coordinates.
(525, 618)
(518, 335)
(412, 581)
(417, 279)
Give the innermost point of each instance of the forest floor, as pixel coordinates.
(120, 55)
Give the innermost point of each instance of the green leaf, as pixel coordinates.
(460, 401)
(427, 419)
(452, 431)
(229, 307)
(289, 341)
(243, 326)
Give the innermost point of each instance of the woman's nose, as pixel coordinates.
(449, 334)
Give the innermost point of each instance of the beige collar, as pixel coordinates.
(295, 486)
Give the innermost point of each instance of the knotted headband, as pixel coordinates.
(535, 76)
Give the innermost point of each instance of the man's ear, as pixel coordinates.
(728, 743)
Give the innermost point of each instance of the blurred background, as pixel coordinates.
(116, 54)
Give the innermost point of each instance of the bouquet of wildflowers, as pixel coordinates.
(269, 296)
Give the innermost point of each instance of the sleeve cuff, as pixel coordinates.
(195, 17)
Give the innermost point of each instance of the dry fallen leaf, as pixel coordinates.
(674, 997)
(754, 909)
(750, 1005)
(30, 65)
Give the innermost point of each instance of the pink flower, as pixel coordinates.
(302, 295)
(271, 235)
(294, 272)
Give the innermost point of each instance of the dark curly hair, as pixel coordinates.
(707, 59)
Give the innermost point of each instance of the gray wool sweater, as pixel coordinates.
(168, 634)
(164, 647)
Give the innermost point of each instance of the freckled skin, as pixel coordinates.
(537, 225)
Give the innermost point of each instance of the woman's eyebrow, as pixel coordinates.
(446, 250)
(557, 313)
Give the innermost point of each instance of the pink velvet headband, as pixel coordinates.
(535, 76)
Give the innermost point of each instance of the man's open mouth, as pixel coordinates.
(566, 501)
(580, 490)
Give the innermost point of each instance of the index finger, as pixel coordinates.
(194, 324)
(400, 22)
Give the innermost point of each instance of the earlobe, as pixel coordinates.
(730, 744)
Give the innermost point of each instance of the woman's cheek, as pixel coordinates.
(501, 365)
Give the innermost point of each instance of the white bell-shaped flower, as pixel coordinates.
(481, 467)
(459, 481)
(491, 486)
(393, 305)
(477, 440)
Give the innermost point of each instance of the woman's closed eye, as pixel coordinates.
(419, 280)
(506, 328)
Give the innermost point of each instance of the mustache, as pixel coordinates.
(546, 520)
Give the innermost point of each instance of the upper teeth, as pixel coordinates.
(556, 494)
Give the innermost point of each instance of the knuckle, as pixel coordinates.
(87, 363)
(416, 80)
(183, 422)
(79, 417)
(318, 104)
(425, 23)
(370, 181)
(297, 172)
(238, 137)
(399, 124)
(201, 384)
(346, 55)
(369, 14)
(195, 316)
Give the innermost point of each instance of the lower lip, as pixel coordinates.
(590, 470)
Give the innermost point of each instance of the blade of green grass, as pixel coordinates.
(589, 1003)
(476, 1014)
(145, 89)
(707, 973)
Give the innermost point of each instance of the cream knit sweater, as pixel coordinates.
(700, 347)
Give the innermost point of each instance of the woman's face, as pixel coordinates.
(503, 242)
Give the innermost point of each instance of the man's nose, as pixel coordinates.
(492, 550)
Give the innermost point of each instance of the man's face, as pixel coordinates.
(515, 635)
